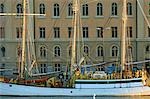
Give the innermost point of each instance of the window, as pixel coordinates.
(129, 8)
(147, 49)
(43, 68)
(148, 31)
(70, 30)
(114, 32)
(85, 10)
(19, 51)
(42, 8)
(3, 50)
(18, 32)
(2, 8)
(99, 32)
(129, 52)
(56, 32)
(129, 32)
(2, 66)
(100, 51)
(70, 9)
(43, 52)
(56, 9)
(2, 32)
(114, 9)
(86, 50)
(19, 8)
(42, 32)
(99, 9)
(85, 32)
(57, 51)
(114, 51)
(70, 51)
(57, 67)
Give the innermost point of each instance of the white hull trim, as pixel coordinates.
(22, 90)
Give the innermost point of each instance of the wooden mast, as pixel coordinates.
(123, 36)
(23, 40)
(75, 28)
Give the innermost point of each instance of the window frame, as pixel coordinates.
(57, 51)
(99, 9)
(42, 32)
(100, 32)
(129, 8)
(57, 67)
(114, 9)
(85, 11)
(114, 32)
(100, 51)
(56, 10)
(70, 10)
(85, 32)
(2, 32)
(2, 8)
(114, 51)
(56, 32)
(42, 8)
(43, 52)
(19, 9)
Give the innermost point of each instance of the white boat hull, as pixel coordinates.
(22, 90)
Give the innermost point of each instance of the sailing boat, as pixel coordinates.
(115, 87)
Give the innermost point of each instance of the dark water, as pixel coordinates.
(133, 97)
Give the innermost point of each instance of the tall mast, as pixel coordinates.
(75, 12)
(123, 37)
(23, 39)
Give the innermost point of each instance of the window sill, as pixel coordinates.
(19, 16)
(55, 17)
(85, 17)
(41, 17)
(114, 16)
(130, 16)
(99, 16)
(69, 17)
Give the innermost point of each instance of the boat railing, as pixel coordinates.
(115, 75)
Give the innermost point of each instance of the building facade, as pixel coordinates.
(100, 24)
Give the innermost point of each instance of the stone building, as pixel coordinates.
(101, 29)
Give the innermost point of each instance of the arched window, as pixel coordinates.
(99, 9)
(19, 8)
(42, 8)
(2, 8)
(85, 10)
(86, 50)
(57, 51)
(147, 49)
(56, 9)
(114, 51)
(100, 51)
(114, 9)
(3, 50)
(70, 9)
(43, 51)
(129, 8)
